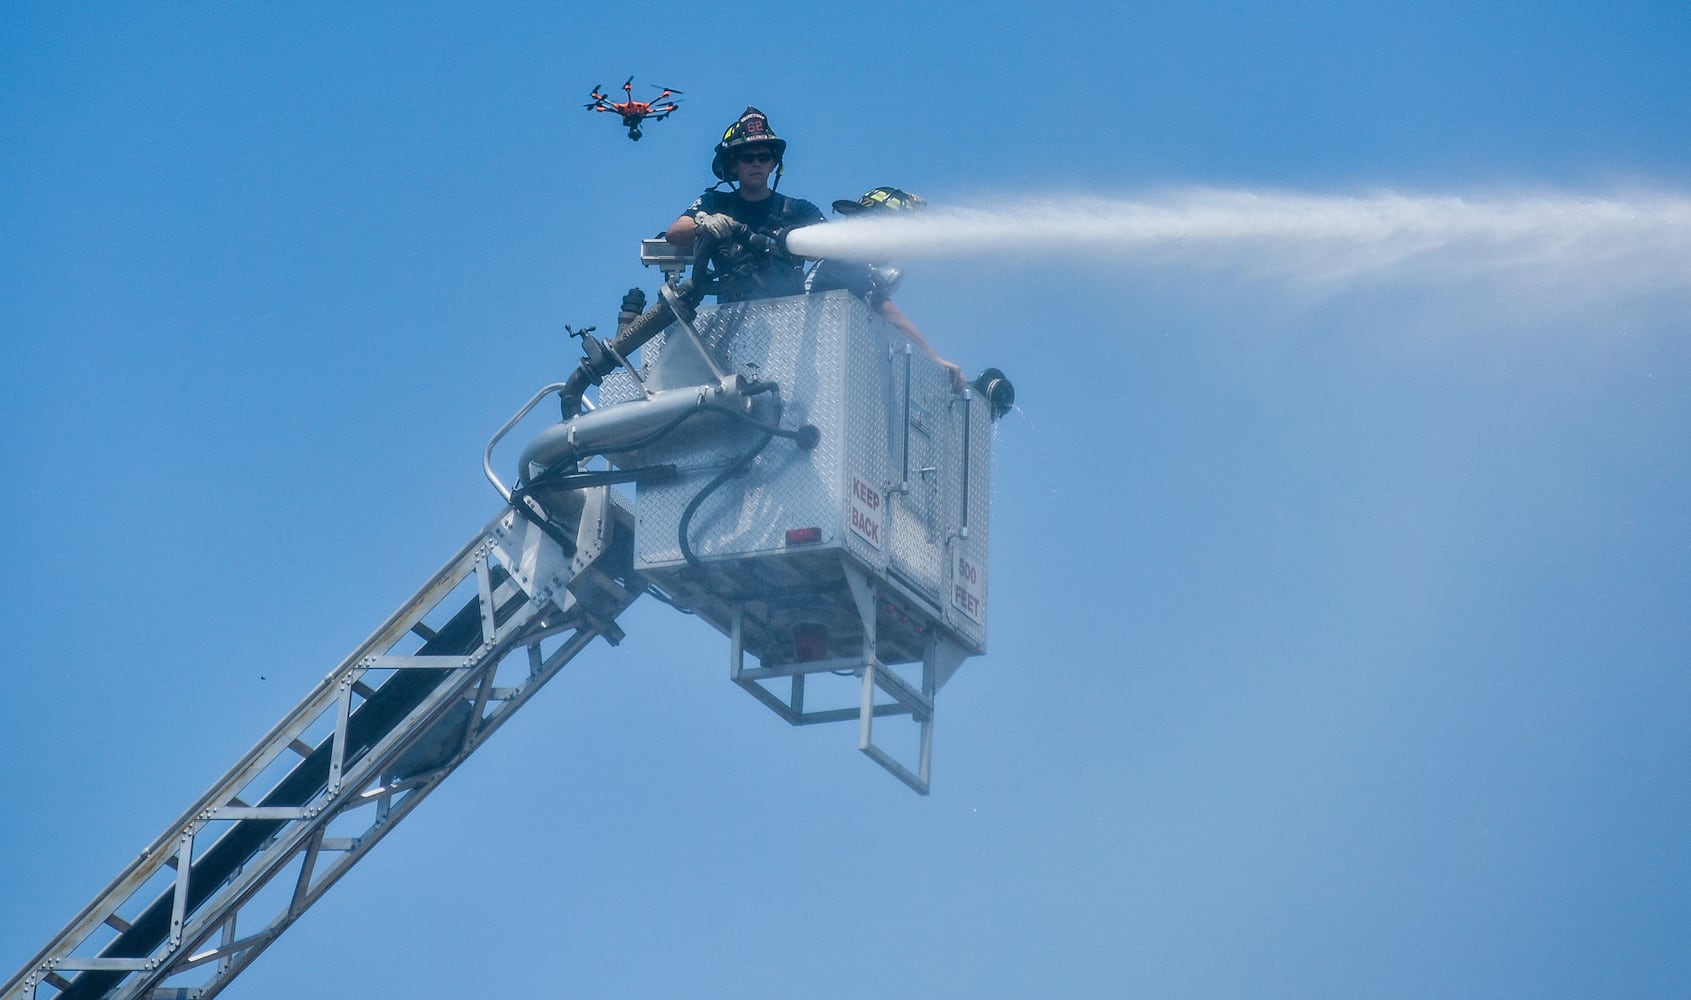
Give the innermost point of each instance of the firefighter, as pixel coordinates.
(874, 283)
(750, 160)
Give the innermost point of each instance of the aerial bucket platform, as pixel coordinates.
(864, 555)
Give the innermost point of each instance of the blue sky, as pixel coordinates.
(1339, 641)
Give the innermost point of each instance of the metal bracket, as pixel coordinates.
(902, 697)
(680, 310)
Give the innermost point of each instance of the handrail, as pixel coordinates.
(487, 453)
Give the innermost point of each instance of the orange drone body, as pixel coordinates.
(634, 112)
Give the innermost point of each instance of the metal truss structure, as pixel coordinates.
(381, 732)
(938, 657)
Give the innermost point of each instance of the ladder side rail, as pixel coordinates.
(219, 896)
(241, 954)
(157, 931)
(389, 714)
(609, 599)
(163, 849)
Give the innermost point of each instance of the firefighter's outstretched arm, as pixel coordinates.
(894, 315)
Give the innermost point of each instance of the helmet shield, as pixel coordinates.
(881, 199)
(750, 129)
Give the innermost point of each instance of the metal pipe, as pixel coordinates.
(612, 427)
(968, 425)
(904, 483)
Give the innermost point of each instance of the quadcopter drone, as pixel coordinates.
(634, 112)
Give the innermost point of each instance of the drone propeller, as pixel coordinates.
(628, 84)
(667, 90)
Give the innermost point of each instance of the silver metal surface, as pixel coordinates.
(967, 590)
(609, 428)
(663, 255)
(878, 587)
(499, 435)
(682, 312)
(851, 375)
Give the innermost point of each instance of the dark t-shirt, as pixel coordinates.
(774, 274)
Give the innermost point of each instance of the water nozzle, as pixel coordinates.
(775, 242)
(805, 246)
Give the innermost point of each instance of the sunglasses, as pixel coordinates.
(763, 157)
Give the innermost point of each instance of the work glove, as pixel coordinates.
(719, 227)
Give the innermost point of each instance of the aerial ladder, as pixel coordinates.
(803, 482)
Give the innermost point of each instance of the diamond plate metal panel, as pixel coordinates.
(966, 593)
(921, 516)
(846, 371)
(867, 378)
(799, 343)
(618, 387)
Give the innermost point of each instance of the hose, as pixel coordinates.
(806, 437)
(592, 370)
(771, 430)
